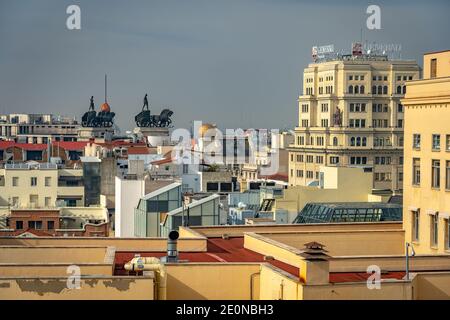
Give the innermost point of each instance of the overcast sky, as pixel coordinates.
(237, 63)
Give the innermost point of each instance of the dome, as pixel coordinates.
(204, 128)
(105, 107)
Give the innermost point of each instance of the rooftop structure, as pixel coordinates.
(349, 212)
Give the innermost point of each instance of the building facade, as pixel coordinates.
(427, 157)
(350, 115)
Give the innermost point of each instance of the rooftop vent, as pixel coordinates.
(172, 252)
(314, 251)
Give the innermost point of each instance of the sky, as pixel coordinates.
(236, 63)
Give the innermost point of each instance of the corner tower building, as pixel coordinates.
(350, 115)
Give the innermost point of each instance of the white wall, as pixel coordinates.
(128, 193)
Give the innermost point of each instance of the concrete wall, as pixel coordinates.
(53, 269)
(127, 195)
(35, 254)
(276, 284)
(433, 286)
(218, 231)
(121, 244)
(230, 281)
(348, 243)
(91, 288)
(390, 290)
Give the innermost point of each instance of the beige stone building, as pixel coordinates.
(426, 208)
(350, 115)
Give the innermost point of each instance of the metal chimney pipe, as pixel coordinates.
(172, 252)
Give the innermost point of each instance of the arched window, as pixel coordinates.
(404, 89)
(374, 89)
(356, 89)
(364, 141)
(399, 89)
(385, 90)
(380, 90)
(352, 141)
(350, 89)
(358, 141)
(361, 89)
(335, 141)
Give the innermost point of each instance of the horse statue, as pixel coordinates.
(93, 119)
(105, 119)
(163, 119)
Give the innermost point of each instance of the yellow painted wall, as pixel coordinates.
(433, 286)
(390, 290)
(206, 281)
(98, 288)
(427, 110)
(277, 285)
(53, 270)
(346, 243)
(239, 230)
(443, 64)
(121, 244)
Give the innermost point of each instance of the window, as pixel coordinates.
(447, 142)
(50, 225)
(350, 89)
(436, 141)
(433, 68)
(15, 181)
(399, 89)
(35, 225)
(399, 107)
(48, 201)
(350, 77)
(33, 181)
(19, 225)
(435, 173)
(416, 171)
(15, 201)
(416, 141)
(305, 108)
(380, 89)
(309, 174)
(415, 223)
(434, 229)
(447, 175)
(385, 90)
(400, 123)
(361, 89)
(335, 141)
(334, 160)
(47, 181)
(185, 168)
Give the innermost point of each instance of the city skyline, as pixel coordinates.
(184, 55)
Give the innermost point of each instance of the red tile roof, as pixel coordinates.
(31, 146)
(139, 150)
(277, 176)
(71, 145)
(6, 144)
(162, 161)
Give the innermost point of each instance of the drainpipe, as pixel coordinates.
(413, 253)
(252, 277)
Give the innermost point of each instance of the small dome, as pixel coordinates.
(204, 128)
(105, 107)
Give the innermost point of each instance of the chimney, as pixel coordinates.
(316, 267)
(172, 252)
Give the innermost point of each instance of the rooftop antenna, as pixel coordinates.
(106, 88)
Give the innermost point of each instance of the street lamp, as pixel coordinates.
(413, 253)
